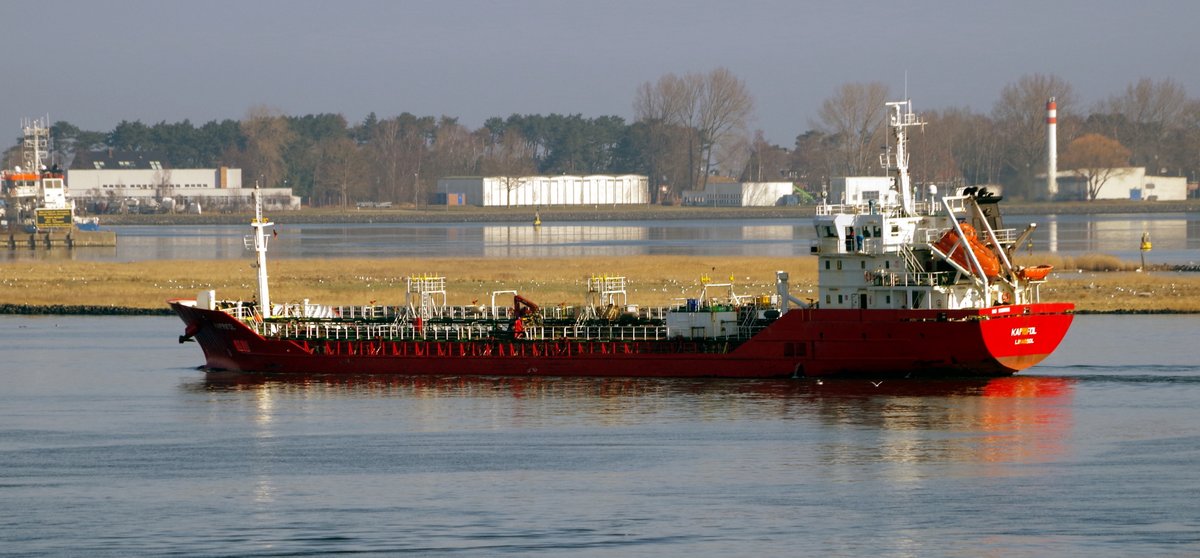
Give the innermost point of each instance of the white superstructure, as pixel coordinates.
(894, 252)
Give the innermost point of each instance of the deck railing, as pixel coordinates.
(318, 330)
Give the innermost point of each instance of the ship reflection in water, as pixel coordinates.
(1013, 420)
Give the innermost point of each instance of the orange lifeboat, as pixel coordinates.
(21, 176)
(1035, 273)
(948, 244)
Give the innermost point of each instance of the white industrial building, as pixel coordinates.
(720, 193)
(503, 191)
(137, 178)
(1125, 183)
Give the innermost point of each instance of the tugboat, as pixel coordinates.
(907, 288)
(38, 210)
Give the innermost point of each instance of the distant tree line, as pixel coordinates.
(686, 129)
(1152, 124)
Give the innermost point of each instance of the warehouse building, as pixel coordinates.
(504, 191)
(1125, 183)
(728, 193)
(114, 179)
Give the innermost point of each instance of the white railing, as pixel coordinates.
(300, 330)
(1006, 236)
(919, 208)
(919, 279)
(303, 321)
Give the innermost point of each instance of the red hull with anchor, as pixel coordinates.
(907, 288)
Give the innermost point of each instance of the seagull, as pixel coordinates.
(877, 384)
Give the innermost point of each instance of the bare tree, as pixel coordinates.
(386, 153)
(1095, 158)
(396, 147)
(267, 135)
(958, 147)
(853, 117)
(933, 154)
(163, 189)
(731, 156)
(766, 162)
(706, 108)
(976, 146)
(455, 151)
(813, 161)
(1182, 150)
(1142, 117)
(672, 99)
(509, 157)
(339, 173)
(1020, 119)
(723, 109)
(651, 135)
(667, 109)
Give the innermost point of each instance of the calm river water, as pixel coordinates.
(112, 443)
(1176, 239)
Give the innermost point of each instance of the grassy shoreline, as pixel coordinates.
(76, 287)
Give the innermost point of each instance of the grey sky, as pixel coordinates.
(96, 63)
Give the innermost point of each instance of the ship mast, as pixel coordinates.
(260, 246)
(35, 146)
(901, 117)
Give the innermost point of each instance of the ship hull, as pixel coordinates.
(995, 341)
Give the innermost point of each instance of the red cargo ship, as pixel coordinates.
(907, 287)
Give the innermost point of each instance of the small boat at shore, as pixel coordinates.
(906, 288)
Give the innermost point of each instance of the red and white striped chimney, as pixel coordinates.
(1051, 149)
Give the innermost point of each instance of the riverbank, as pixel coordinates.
(75, 287)
(549, 215)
